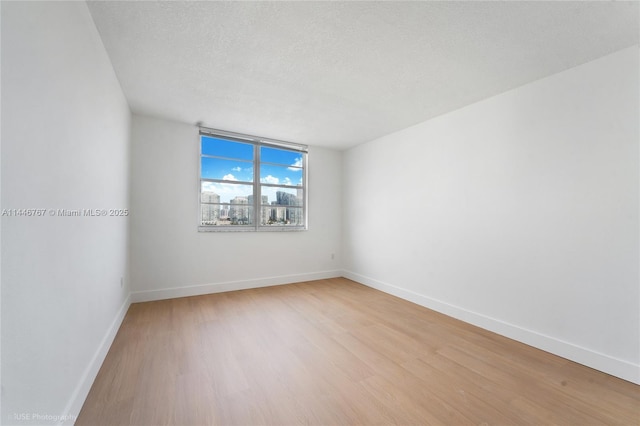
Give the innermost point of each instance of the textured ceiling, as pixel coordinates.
(337, 74)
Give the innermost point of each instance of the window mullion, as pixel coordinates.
(257, 202)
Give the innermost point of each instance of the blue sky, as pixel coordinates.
(225, 148)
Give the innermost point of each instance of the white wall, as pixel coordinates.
(518, 213)
(65, 145)
(0, 224)
(170, 258)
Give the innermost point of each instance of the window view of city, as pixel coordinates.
(286, 209)
(227, 194)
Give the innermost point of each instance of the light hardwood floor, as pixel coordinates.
(334, 352)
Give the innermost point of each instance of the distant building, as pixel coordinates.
(224, 213)
(264, 212)
(287, 215)
(239, 211)
(210, 212)
(210, 197)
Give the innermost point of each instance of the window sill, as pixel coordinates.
(251, 229)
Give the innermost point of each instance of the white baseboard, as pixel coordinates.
(599, 361)
(79, 395)
(196, 290)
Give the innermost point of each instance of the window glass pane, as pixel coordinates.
(226, 214)
(210, 214)
(281, 216)
(225, 148)
(237, 214)
(277, 195)
(232, 193)
(281, 156)
(280, 175)
(231, 170)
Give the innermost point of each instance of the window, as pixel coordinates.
(249, 183)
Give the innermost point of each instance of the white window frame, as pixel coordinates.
(257, 205)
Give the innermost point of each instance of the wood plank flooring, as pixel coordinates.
(334, 352)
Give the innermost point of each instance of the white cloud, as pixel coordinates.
(270, 192)
(297, 163)
(227, 191)
(208, 187)
(237, 169)
(229, 177)
(270, 179)
(286, 181)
